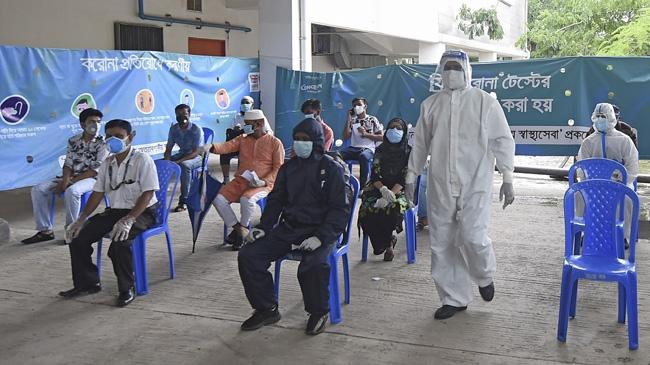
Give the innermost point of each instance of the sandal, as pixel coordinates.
(419, 227)
(180, 208)
(390, 254)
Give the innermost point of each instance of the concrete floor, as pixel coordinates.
(195, 318)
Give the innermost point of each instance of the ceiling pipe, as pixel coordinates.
(197, 23)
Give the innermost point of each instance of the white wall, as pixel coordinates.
(88, 24)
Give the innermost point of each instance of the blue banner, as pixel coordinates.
(548, 102)
(42, 92)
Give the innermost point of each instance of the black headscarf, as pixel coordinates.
(394, 156)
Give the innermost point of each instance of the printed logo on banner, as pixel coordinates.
(222, 99)
(253, 82)
(81, 103)
(144, 101)
(187, 98)
(14, 109)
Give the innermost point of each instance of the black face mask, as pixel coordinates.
(181, 119)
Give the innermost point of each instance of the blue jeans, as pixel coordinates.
(364, 156)
(186, 174)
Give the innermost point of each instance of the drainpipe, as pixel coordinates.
(196, 23)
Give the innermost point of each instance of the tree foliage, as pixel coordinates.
(479, 22)
(576, 27)
(630, 39)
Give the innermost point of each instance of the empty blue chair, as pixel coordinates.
(208, 135)
(599, 258)
(166, 169)
(593, 168)
(340, 251)
(410, 220)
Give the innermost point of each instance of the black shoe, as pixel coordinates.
(75, 292)
(239, 241)
(390, 254)
(125, 297)
(231, 238)
(487, 292)
(260, 319)
(38, 237)
(447, 311)
(316, 323)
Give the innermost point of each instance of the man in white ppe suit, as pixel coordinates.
(618, 147)
(463, 129)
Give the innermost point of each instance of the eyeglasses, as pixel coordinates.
(124, 182)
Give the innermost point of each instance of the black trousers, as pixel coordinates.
(313, 272)
(84, 271)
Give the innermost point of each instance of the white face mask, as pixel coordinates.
(359, 109)
(453, 79)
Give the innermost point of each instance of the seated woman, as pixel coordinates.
(383, 200)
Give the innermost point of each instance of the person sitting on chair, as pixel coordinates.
(260, 157)
(130, 180)
(85, 154)
(189, 137)
(309, 200)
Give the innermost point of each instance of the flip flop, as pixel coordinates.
(180, 208)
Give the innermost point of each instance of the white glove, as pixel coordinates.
(73, 229)
(254, 235)
(310, 244)
(122, 228)
(381, 203)
(509, 192)
(387, 194)
(409, 188)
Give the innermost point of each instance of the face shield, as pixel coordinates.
(454, 70)
(603, 117)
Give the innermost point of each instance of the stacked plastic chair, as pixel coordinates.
(599, 257)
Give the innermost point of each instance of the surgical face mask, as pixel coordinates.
(312, 116)
(117, 145)
(248, 129)
(394, 135)
(91, 129)
(245, 107)
(359, 109)
(303, 148)
(453, 79)
(601, 124)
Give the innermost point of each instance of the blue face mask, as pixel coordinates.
(303, 149)
(601, 125)
(245, 107)
(116, 145)
(248, 129)
(394, 135)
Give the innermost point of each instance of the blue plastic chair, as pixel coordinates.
(410, 218)
(600, 257)
(340, 251)
(166, 169)
(208, 134)
(592, 168)
(260, 203)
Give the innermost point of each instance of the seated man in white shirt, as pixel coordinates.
(130, 180)
(364, 132)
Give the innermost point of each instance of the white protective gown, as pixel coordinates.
(620, 148)
(463, 131)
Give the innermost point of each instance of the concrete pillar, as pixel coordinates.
(487, 56)
(430, 52)
(285, 41)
